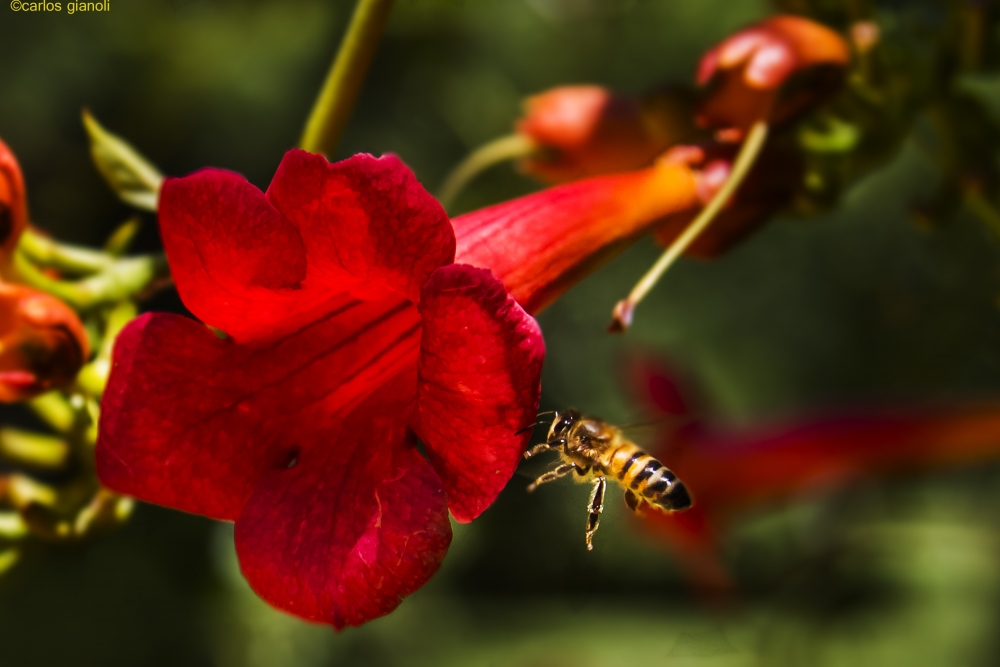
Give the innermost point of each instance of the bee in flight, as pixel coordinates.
(596, 450)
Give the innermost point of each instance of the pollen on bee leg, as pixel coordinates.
(537, 449)
(552, 475)
(596, 507)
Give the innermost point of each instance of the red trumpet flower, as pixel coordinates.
(349, 331)
(42, 343)
(771, 71)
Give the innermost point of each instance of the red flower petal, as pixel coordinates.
(369, 216)
(480, 362)
(191, 421)
(353, 526)
(231, 253)
(362, 225)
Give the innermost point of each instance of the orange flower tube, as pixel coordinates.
(541, 244)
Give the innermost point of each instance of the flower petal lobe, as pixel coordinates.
(354, 525)
(231, 253)
(480, 363)
(366, 216)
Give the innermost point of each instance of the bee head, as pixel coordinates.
(562, 423)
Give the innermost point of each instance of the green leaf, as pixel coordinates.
(133, 178)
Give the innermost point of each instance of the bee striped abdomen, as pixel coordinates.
(649, 478)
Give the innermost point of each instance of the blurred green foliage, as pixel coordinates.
(851, 307)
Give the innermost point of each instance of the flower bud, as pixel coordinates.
(13, 205)
(42, 343)
(583, 131)
(774, 70)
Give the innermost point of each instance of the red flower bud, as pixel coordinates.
(42, 343)
(13, 205)
(585, 131)
(773, 70)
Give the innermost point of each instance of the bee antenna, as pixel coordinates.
(537, 423)
(529, 427)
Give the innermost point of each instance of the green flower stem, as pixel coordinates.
(33, 449)
(49, 253)
(122, 279)
(510, 147)
(121, 239)
(54, 410)
(94, 376)
(752, 145)
(343, 83)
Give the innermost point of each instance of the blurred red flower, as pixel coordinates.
(349, 332)
(731, 472)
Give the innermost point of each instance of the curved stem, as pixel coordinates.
(343, 83)
(93, 377)
(622, 315)
(510, 147)
(121, 279)
(75, 260)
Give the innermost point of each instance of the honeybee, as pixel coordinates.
(595, 450)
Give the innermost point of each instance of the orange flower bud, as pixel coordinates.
(773, 70)
(13, 205)
(584, 131)
(42, 343)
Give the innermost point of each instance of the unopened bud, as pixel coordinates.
(13, 205)
(583, 131)
(42, 343)
(748, 73)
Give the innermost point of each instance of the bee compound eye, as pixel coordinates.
(562, 425)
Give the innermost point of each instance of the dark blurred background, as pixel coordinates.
(851, 308)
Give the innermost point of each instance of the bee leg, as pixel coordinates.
(552, 475)
(631, 500)
(537, 449)
(596, 507)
